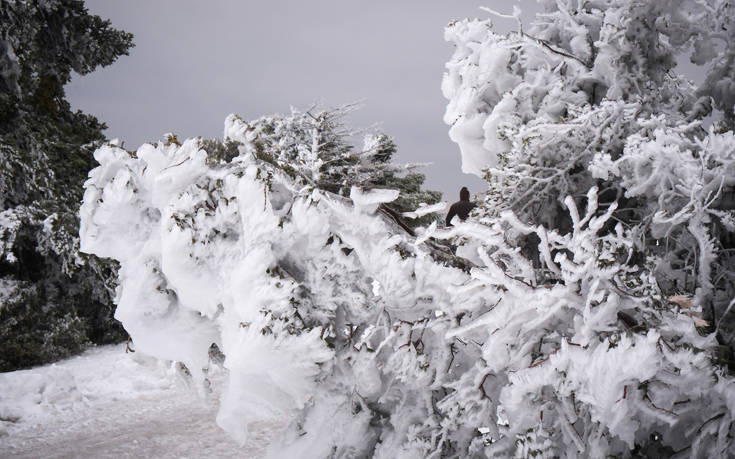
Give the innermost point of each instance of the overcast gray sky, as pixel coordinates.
(195, 62)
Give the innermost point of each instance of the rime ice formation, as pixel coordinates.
(585, 108)
(334, 320)
(272, 271)
(579, 311)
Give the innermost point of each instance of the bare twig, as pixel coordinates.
(482, 387)
(713, 418)
(396, 218)
(127, 346)
(177, 164)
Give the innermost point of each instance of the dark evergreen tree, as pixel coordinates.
(54, 301)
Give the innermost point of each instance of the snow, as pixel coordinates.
(340, 327)
(240, 255)
(8, 288)
(366, 341)
(370, 199)
(424, 209)
(110, 404)
(9, 225)
(538, 327)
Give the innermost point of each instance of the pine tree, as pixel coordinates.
(316, 149)
(55, 300)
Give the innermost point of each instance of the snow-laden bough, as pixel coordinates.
(365, 341)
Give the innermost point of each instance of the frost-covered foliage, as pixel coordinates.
(366, 341)
(54, 300)
(574, 318)
(235, 244)
(589, 96)
(314, 149)
(596, 362)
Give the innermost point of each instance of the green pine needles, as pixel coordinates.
(53, 301)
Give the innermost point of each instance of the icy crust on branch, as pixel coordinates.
(371, 199)
(492, 87)
(687, 184)
(336, 322)
(590, 96)
(574, 55)
(594, 363)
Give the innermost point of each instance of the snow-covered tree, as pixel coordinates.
(585, 108)
(315, 149)
(590, 95)
(239, 244)
(54, 300)
(363, 341)
(572, 320)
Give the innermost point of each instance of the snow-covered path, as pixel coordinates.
(107, 404)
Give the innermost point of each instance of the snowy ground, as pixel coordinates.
(106, 403)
